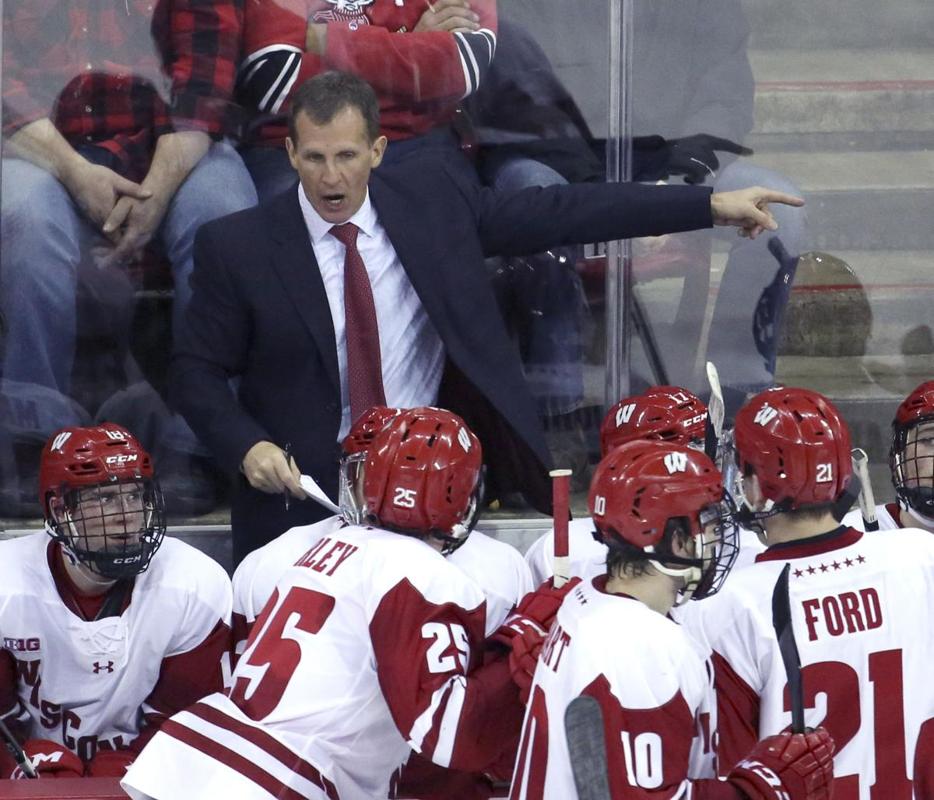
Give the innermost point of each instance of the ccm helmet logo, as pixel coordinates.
(124, 459)
(128, 560)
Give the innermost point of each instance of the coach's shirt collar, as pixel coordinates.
(318, 228)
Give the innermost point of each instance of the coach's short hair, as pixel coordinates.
(324, 96)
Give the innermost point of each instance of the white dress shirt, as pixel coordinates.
(411, 350)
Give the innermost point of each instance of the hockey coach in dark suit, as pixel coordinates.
(397, 255)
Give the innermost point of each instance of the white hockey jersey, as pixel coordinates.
(90, 684)
(862, 610)
(362, 653)
(886, 516)
(496, 567)
(588, 556)
(653, 687)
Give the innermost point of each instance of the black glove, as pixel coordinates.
(695, 156)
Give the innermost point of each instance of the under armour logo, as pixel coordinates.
(98, 667)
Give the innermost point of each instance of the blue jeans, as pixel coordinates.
(45, 249)
(550, 294)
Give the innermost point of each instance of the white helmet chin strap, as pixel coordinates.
(692, 575)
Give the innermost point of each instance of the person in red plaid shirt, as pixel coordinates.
(114, 119)
(422, 57)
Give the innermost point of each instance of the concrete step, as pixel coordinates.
(840, 23)
(863, 200)
(843, 90)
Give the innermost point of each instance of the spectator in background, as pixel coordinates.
(421, 58)
(321, 319)
(115, 117)
(692, 103)
(107, 628)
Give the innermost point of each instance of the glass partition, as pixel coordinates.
(127, 127)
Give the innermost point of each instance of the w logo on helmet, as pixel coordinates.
(463, 439)
(765, 415)
(59, 441)
(676, 462)
(624, 414)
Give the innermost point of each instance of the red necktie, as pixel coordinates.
(364, 366)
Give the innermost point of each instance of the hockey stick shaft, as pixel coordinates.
(583, 726)
(715, 413)
(785, 633)
(16, 751)
(867, 500)
(561, 511)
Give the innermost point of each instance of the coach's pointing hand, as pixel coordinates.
(747, 209)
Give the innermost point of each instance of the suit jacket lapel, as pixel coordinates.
(414, 245)
(293, 260)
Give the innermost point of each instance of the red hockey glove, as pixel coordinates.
(535, 612)
(50, 760)
(109, 764)
(523, 657)
(789, 766)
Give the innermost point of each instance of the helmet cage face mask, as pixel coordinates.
(911, 461)
(351, 471)
(113, 529)
(716, 545)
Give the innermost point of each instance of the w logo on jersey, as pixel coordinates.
(349, 11)
(676, 462)
(765, 415)
(624, 413)
(59, 441)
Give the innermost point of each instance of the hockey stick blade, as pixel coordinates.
(583, 726)
(22, 760)
(867, 500)
(785, 633)
(715, 413)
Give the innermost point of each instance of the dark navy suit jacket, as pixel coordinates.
(259, 313)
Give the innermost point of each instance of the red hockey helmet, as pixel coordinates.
(797, 444)
(912, 455)
(354, 448)
(100, 499)
(669, 413)
(639, 487)
(422, 476)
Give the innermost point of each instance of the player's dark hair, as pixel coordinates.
(324, 96)
(625, 560)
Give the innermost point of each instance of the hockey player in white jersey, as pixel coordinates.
(862, 609)
(663, 413)
(107, 628)
(662, 511)
(497, 568)
(911, 459)
(371, 646)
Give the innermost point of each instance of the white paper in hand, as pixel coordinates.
(317, 494)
